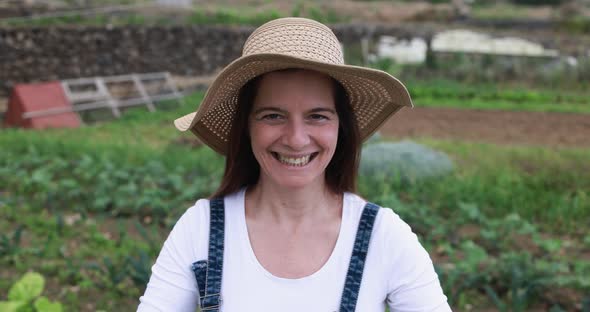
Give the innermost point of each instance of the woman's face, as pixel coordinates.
(294, 127)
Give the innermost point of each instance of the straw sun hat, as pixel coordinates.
(294, 43)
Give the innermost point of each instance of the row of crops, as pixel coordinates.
(89, 210)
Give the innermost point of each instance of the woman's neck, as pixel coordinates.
(292, 207)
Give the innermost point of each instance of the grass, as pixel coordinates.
(137, 127)
(89, 209)
(501, 11)
(244, 15)
(446, 93)
(216, 16)
(506, 11)
(77, 19)
(542, 185)
(462, 83)
(227, 16)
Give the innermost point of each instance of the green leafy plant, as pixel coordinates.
(140, 268)
(111, 273)
(505, 228)
(523, 284)
(9, 243)
(25, 295)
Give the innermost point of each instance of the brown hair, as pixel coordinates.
(242, 168)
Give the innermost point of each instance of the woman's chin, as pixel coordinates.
(294, 182)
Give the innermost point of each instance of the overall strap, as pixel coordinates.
(212, 297)
(357, 261)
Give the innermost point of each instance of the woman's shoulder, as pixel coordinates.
(189, 237)
(394, 231)
(386, 217)
(199, 212)
(196, 216)
(389, 229)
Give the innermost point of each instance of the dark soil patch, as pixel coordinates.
(499, 127)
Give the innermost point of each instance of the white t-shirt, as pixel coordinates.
(398, 271)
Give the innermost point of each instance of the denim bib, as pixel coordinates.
(209, 272)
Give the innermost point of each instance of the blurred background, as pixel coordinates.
(491, 168)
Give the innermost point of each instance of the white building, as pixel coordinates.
(175, 3)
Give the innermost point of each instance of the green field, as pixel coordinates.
(89, 209)
(507, 230)
(219, 16)
(498, 97)
(258, 12)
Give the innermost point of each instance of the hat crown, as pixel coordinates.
(297, 37)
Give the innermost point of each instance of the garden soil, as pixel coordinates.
(500, 127)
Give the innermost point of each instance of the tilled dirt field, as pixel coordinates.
(501, 127)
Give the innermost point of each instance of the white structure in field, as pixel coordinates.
(471, 42)
(458, 41)
(176, 3)
(402, 51)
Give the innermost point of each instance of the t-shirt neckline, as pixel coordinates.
(241, 199)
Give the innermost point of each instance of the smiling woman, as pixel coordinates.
(285, 230)
(293, 129)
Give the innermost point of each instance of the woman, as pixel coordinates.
(284, 231)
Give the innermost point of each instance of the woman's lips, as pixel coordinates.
(297, 161)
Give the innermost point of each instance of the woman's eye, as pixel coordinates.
(272, 117)
(318, 117)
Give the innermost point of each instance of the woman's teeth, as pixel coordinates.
(301, 161)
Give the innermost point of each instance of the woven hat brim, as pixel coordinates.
(375, 95)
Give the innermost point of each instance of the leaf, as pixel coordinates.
(27, 288)
(495, 298)
(27, 308)
(42, 304)
(11, 306)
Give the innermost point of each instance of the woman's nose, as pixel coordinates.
(296, 136)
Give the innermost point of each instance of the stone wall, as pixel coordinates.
(50, 53)
(40, 54)
(37, 54)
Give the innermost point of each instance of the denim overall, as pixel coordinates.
(208, 272)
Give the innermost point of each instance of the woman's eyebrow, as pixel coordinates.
(269, 108)
(322, 109)
(276, 109)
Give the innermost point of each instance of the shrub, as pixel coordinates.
(406, 160)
